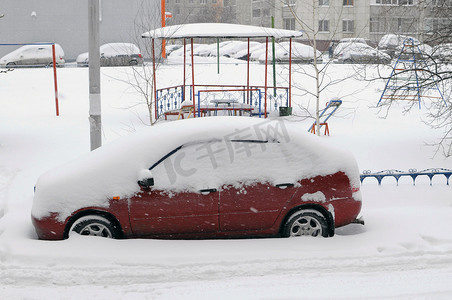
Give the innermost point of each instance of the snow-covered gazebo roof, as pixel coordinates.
(218, 30)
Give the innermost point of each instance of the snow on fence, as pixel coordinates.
(413, 173)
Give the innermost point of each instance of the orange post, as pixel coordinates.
(163, 25)
(327, 130)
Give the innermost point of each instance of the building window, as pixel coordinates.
(374, 25)
(348, 2)
(436, 25)
(202, 1)
(324, 2)
(441, 3)
(324, 25)
(289, 24)
(256, 13)
(348, 26)
(290, 2)
(395, 2)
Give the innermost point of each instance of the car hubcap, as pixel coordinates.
(306, 226)
(96, 229)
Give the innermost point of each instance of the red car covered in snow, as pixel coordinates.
(202, 178)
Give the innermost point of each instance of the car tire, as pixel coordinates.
(306, 222)
(93, 225)
(11, 65)
(133, 63)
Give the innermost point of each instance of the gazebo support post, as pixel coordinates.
(185, 58)
(248, 74)
(290, 72)
(154, 75)
(193, 79)
(266, 66)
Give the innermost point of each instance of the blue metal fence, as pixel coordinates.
(413, 173)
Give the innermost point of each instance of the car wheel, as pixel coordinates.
(94, 226)
(11, 65)
(306, 223)
(133, 63)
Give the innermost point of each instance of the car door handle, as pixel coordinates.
(207, 191)
(285, 185)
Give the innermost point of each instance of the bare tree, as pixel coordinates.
(141, 79)
(313, 26)
(426, 76)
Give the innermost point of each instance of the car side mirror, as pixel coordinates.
(146, 183)
(146, 179)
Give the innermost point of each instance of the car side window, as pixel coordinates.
(211, 164)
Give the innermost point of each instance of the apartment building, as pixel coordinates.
(327, 20)
(427, 20)
(251, 12)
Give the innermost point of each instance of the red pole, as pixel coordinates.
(193, 79)
(163, 25)
(155, 81)
(290, 72)
(55, 81)
(266, 63)
(183, 94)
(248, 74)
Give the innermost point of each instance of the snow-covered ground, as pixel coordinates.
(403, 252)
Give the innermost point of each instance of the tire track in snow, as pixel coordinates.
(125, 273)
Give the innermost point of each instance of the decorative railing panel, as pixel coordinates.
(170, 99)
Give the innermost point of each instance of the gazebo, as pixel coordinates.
(257, 100)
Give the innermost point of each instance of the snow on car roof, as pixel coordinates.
(220, 30)
(114, 169)
(395, 40)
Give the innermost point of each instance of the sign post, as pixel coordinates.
(94, 76)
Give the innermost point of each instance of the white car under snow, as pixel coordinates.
(33, 55)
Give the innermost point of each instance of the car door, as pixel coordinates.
(28, 56)
(255, 205)
(180, 201)
(43, 55)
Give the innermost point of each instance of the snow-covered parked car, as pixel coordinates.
(301, 53)
(410, 51)
(231, 49)
(33, 55)
(442, 53)
(202, 178)
(353, 40)
(170, 48)
(359, 53)
(180, 51)
(243, 53)
(390, 43)
(115, 54)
